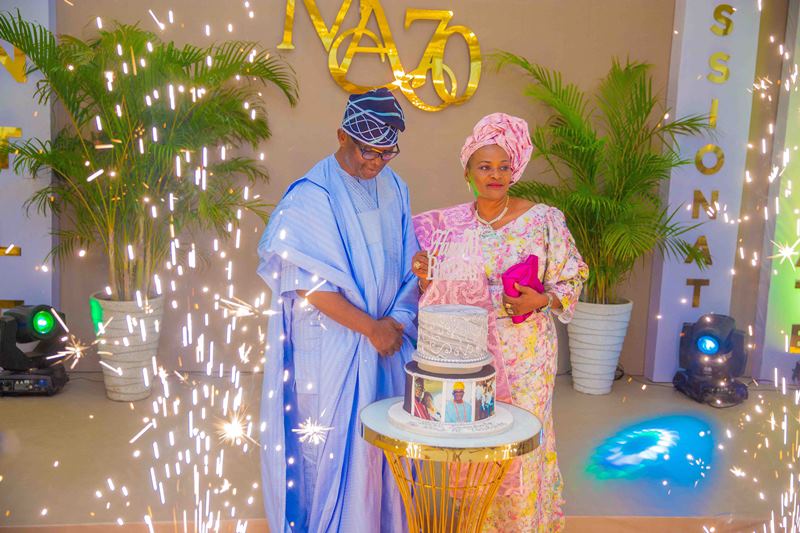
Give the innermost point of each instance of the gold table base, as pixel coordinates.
(448, 483)
(444, 497)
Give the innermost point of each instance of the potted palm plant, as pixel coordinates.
(144, 157)
(609, 154)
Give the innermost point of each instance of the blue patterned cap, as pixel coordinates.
(374, 118)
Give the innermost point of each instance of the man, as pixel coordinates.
(420, 409)
(484, 401)
(457, 410)
(337, 256)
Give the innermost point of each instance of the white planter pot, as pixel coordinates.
(130, 343)
(596, 334)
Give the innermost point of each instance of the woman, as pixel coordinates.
(485, 401)
(433, 413)
(510, 229)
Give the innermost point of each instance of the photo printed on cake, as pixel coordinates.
(427, 403)
(484, 399)
(458, 408)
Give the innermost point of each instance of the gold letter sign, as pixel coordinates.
(7, 132)
(16, 66)
(442, 76)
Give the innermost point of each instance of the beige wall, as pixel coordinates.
(577, 37)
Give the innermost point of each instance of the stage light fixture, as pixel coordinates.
(36, 371)
(712, 353)
(31, 323)
(43, 322)
(708, 345)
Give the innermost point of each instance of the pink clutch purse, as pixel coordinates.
(526, 274)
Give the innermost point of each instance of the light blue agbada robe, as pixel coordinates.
(360, 243)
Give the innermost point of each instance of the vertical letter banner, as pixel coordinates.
(780, 275)
(713, 64)
(24, 240)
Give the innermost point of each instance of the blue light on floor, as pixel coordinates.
(676, 449)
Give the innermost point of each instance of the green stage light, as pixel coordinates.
(35, 323)
(37, 369)
(43, 322)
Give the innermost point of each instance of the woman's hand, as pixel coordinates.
(528, 301)
(419, 265)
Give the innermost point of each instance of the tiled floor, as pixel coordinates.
(70, 455)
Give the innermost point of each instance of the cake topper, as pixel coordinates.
(454, 259)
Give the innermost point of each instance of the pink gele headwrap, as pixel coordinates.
(509, 133)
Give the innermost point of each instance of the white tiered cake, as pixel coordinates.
(450, 384)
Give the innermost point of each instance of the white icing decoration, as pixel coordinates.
(498, 423)
(454, 334)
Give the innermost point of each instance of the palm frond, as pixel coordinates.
(148, 121)
(609, 183)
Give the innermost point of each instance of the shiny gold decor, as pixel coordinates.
(10, 250)
(15, 66)
(7, 132)
(701, 245)
(382, 43)
(445, 497)
(719, 65)
(697, 284)
(446, 489)
(701, 166)
(425, 452)
(709, 208)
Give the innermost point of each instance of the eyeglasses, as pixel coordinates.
(371, 153)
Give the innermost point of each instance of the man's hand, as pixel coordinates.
(386, 336)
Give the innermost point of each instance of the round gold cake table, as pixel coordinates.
(448, 482)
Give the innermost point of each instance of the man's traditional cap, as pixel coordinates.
(374, 118)
(458, 386)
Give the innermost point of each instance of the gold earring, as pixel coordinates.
(469, 187)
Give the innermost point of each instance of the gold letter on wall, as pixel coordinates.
(16, 66)
(701, 244)
(701, 166)
(720, 16)
(10, 250)
(7, 132)
(699, 199)
(326, 35)
(794, 342)
(717, 63)
(713, 112)
(697, 284)
(442, 76)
